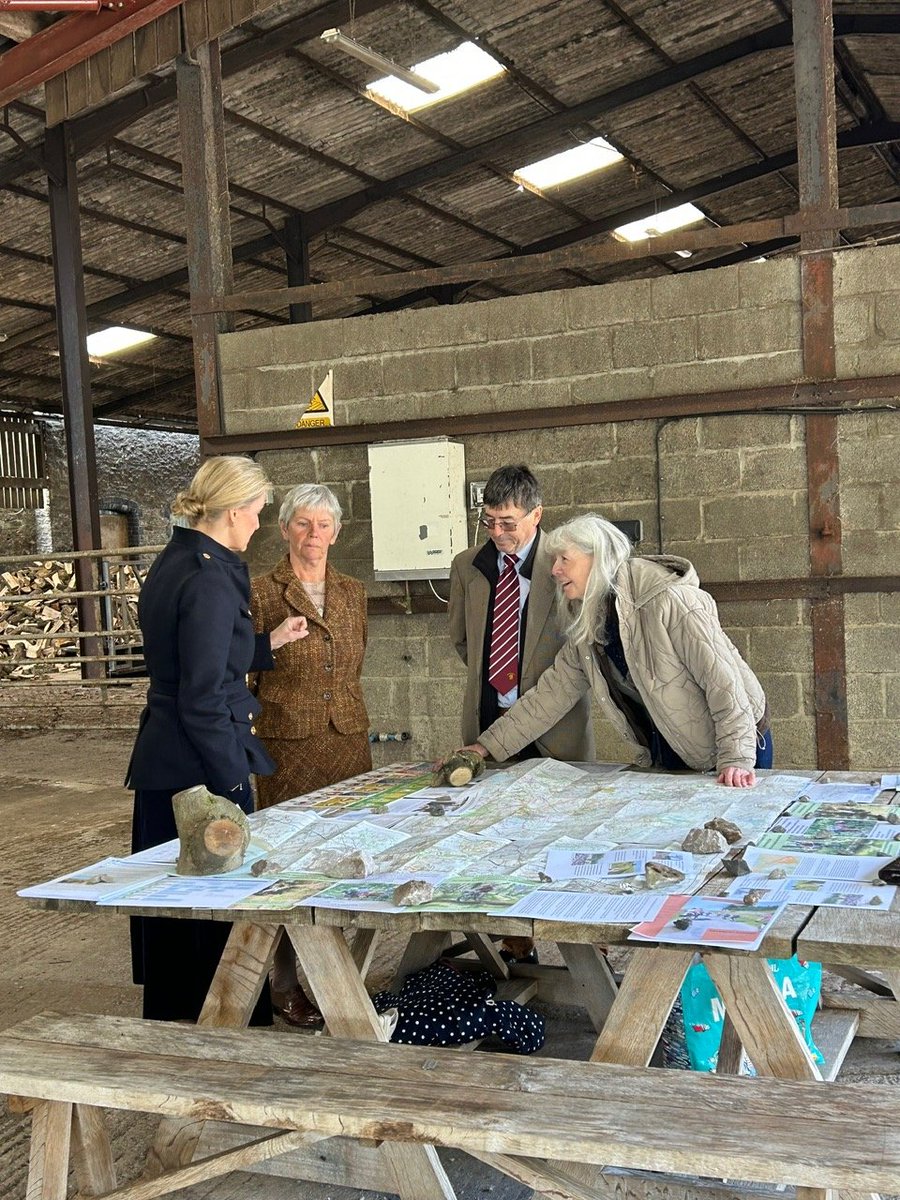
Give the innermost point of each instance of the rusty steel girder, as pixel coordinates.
(71, 40)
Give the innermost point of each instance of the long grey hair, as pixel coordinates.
(591, 534)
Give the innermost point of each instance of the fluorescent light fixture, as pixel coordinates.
(380, 62)
(454, 72)
(116, 338)
(569, 164)
(659, 223)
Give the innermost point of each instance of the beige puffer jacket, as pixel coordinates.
(699, 692)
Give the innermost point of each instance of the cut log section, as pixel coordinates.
(460, 768)
(214, 833)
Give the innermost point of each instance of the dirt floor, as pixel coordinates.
(62, 806)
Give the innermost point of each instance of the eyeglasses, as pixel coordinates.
(505, 524)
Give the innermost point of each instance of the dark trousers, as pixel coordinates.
(664, 756)
(174, 959)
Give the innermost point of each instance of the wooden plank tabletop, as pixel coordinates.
(853, 937)
(836, 935)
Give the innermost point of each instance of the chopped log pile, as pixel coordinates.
(36, 616)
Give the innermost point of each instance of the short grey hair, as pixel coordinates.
(312, 496)
(610, 550)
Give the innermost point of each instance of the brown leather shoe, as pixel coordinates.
(518, 950)
(297, 1010)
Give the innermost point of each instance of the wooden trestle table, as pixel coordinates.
(335, 948)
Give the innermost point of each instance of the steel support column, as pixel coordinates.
(296, 252)
(817, 162)
(71, 323)
(205, 177)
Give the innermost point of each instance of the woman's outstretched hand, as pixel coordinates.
(476, 747)
(737, 777)
(291, 629)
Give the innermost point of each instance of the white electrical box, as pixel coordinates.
(418, 491)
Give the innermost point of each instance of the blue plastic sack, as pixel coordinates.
(703, 1012)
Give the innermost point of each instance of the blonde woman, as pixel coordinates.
(199, 725)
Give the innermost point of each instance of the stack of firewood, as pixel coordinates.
(32, 611)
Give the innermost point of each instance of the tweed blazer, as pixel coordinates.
(571, 736)
(315, 680)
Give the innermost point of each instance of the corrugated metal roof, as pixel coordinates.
(301, 135)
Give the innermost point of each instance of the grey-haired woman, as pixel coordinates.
(314, 722)
(645, 640)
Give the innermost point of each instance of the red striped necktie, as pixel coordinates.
(503, 664)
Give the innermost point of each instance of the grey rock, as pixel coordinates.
(658, 874)
(704, 841)
(413, 891)
(729, 831)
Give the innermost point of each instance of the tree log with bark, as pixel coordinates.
(214, 833)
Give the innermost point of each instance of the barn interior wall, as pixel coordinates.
(138, 471)
(135, 467)
(731, 490)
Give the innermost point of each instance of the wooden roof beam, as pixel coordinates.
(536, 264)
(133, 294)
(339, 211)
(775, 37)
(872, 134)
(125, 399)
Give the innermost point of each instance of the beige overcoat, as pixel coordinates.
(699, 692)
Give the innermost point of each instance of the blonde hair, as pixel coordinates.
(610, 549)
(230, 481)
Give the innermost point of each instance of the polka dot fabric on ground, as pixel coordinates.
(442, 1006)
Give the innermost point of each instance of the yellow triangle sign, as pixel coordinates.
(319, 411)
(317, 405)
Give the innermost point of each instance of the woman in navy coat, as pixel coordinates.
(199, 723)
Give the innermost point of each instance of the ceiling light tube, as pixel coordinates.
(380, 62)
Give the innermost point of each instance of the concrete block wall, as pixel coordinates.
(730, 490)
(867, 311)
(707, 331)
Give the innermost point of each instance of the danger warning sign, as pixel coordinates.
(320, 410)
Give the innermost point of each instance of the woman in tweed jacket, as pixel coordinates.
(314, 722)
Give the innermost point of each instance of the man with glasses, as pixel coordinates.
(504, 624)
(503, 617)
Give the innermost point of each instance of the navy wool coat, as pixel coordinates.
(199, 725)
